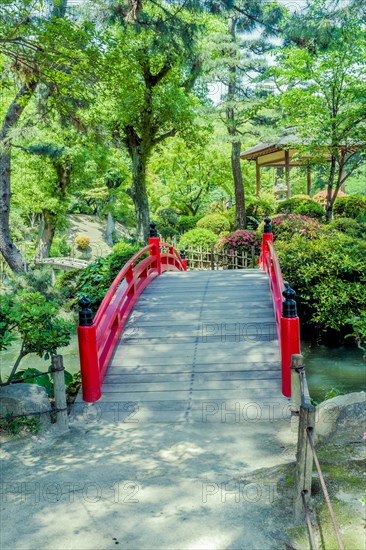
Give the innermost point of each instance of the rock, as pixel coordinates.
(341, 418)
(19, 399)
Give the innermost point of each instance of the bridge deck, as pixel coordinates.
(197, 345)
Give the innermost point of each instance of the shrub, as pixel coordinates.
(242, 240)
(321, 197)
(350, 207)
(260, 207)
(167, 216)
(186, 223)
(60, 248)
(82, 241)
(94, 281)
(349, 226)
(285, 226)
(168, 232)
(328, 274)
(197, 238)
(217, 223)
(122, 252)
(303, 206)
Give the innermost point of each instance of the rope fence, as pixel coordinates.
(306, 454)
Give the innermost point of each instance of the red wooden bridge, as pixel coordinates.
(173, 341)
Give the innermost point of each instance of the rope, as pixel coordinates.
(20, 380)
(38, 413)
(324, 488)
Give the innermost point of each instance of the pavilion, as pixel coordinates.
(280, 153)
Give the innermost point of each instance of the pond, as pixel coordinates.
(341, 368)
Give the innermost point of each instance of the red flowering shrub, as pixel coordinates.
(321, 197)
(242, 240)
(285, 226)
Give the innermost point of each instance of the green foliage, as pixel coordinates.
(15, 426)
(243, 239)
(260, 207)
(94, 281)
(60, 248)
(40, 378)
(168, 232)
(217, 223)
(196, 238)
(38, 280)
(303, 206)
(185, 223)
(122, 253)
(351, 206)
(349, 226)
(329, 274)
(333, 392)
(358, 323)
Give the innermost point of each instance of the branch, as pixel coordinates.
(16, 108)
(162, 137)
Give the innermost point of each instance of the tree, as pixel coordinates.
(37, 52)
(150, 68)
(236, 62)
(323, 97)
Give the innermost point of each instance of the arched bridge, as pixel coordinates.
(175, 345)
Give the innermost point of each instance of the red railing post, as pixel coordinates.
(266, 237)
(290, 337)
(183, 259)
(155, 242)
(88, 349)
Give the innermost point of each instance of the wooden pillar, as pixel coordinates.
(287, 172)
(308, 179)
(343, 186)
(258, 177)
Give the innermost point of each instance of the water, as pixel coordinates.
(69, 353)
(326, 368)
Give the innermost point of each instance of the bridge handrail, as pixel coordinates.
(287, 321)
(98, 337)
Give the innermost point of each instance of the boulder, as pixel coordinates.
(23, 399)
(341, 418)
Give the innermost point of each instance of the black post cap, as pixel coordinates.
(85, 313)
(153, 230)
(289, 310)
(267, 225)
(183, 254)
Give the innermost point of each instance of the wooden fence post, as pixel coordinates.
(296, 365)
(304, 455)
(58, 373)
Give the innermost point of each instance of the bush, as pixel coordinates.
(186, 223)
(217, 223)
(350, 207)
(328, 274)
(60, 248)
(166, 217)
(197, 238)
(348, 226)
(241, 240)
(285, 226)
(260, 207)
(122, 253)
(168, 232)
(303, 206)
(321, 197)
(82, 241)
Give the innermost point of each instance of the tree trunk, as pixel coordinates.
(110, 229)
(8, 249)
(329, 203)
(139, 193)
(241, 218)
(241, 221)
(49, 221)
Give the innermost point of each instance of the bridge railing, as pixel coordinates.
(287, 321)
(98, 337)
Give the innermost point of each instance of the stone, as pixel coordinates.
(23, 399)
(341, 418)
